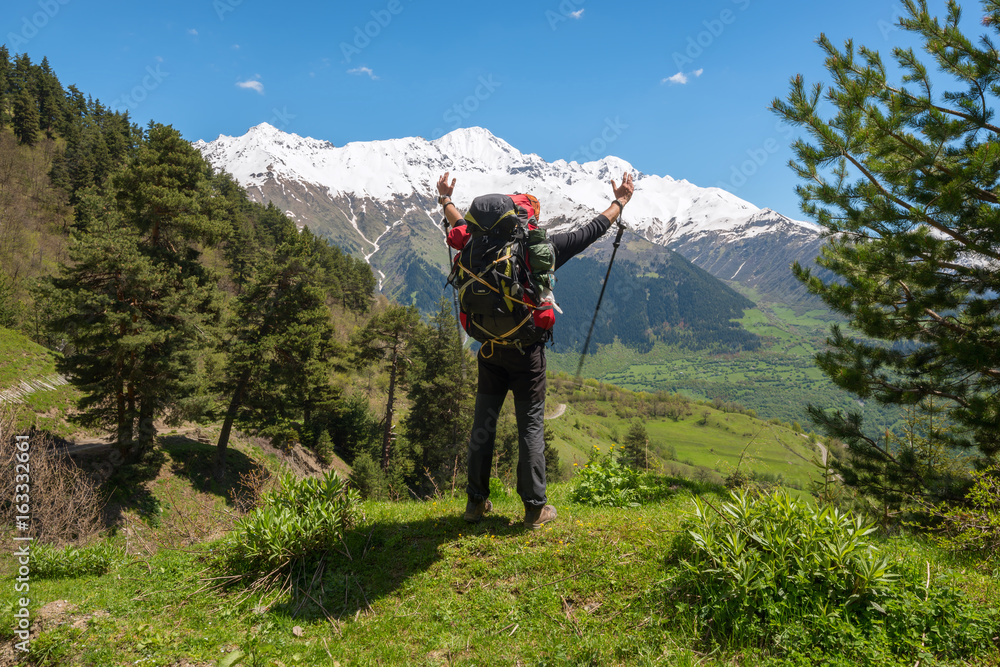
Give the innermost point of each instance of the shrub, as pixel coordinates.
(975, 526)
(367, 477)
(605, 482)
(773, 572)
(297, 523)
(48, 562)
(65, 501)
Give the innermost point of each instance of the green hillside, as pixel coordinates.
(776, 381)
(697, 440)
(22, 359)
(413, 584)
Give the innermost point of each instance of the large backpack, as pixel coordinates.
(498, 296)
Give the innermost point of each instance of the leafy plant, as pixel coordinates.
(774, 572)
(300, 521)
(48, 562)
(605, 482)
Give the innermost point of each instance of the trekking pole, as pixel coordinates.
(454, 297)
(586, 344)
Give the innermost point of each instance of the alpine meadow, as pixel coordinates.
(254, 389)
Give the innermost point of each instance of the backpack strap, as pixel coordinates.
(499, 340)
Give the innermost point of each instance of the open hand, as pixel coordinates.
(623, 192)
(444, 189)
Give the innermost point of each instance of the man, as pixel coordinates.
(523, 373)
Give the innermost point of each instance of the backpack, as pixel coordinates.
(499, 288)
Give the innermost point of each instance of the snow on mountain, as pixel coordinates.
(368, 188)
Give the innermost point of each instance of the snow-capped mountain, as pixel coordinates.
(377, 199)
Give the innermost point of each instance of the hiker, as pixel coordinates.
(520, 369)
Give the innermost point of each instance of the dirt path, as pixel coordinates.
(560, 409)
(92, 445)
(823, 451)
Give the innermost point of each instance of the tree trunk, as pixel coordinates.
(147, 431)
(123, 417)
(227, 425)
(387, 437)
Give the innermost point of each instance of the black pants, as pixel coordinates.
(508, 369)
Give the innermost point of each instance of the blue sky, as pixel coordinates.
(675, 88)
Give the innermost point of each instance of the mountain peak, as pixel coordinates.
(480, 146)
(264, 128)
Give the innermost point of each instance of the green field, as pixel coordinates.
(703, 442)
(776, 382)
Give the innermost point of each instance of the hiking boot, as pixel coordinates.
(536, 517)
(474, 511)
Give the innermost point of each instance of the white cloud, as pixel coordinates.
(363, 70)
(192, 31)
(578, 13)
(682, 78)
(252, 84)
(236, 47)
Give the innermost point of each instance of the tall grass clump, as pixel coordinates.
(296, 525)
(773, 573)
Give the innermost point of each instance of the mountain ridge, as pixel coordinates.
(369, 196)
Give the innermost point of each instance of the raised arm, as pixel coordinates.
(568, 244)
(451, 212)
(623, 193)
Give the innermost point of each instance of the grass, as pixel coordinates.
(777, 381)
(703, 440)
(414, 584)
(22, 359)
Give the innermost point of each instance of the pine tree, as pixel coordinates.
(4, 84)
(441, 399)
(25, 120)
(111, 293)
(635, 446)
(904, 179)
(387, 337)
(279, 351)
(166, 190)
(553, 466)
(51, 98)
